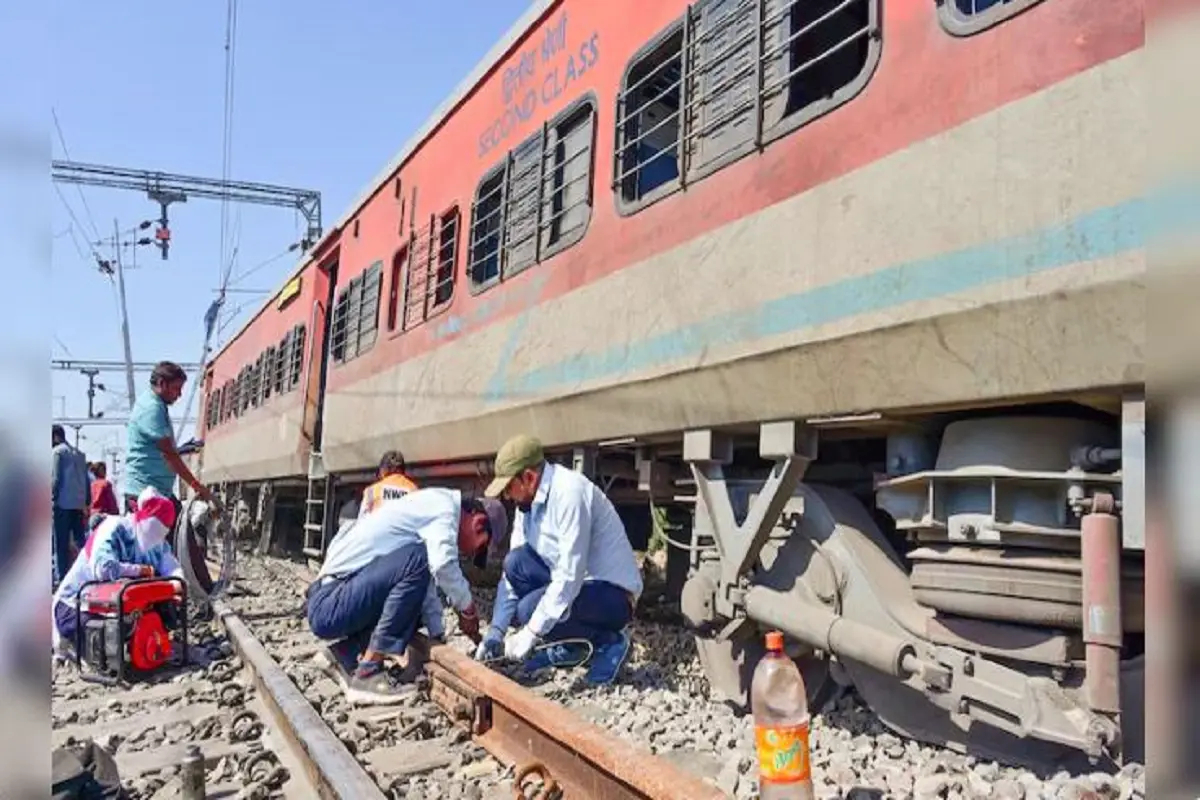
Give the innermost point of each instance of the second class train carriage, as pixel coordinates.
(851, 290)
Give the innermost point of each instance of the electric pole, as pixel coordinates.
(77, 428)
(124, 315)
(91, 374)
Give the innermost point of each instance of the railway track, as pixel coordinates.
(272, 722)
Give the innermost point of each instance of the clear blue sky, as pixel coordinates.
(322, 100)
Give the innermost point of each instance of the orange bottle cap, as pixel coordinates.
(774, 640)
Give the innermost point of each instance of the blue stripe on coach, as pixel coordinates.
(1098, 234)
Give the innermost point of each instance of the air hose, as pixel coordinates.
(191, 543)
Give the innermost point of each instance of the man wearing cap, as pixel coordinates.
(369, 594)
(131, 546)
(570, 573)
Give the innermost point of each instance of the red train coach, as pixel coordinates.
(911, 230)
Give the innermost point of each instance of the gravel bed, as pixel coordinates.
(215, 677)
(662, 703)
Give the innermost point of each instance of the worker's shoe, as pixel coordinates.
(372, 684)
(608, 660)
(339, 660)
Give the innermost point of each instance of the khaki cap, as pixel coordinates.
(518, 454)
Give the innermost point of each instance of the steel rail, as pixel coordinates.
(536, 735)
(329, 765)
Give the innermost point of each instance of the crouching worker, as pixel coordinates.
(128, 546)
(369, 594)
(570, 573)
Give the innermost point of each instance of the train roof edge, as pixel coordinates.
(537, 9)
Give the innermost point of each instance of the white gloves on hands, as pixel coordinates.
(491, 647)
(518, 645)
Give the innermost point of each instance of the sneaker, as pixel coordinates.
(608, 660)
(375, 687)
(563, 656)
(339, 660)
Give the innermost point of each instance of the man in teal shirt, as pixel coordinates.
(151, 458)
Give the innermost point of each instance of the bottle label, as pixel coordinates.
(782, 753)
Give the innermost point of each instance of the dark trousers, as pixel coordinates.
(70, 528)
(600, 611)
(378, 607)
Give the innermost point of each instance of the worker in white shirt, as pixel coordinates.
(369, 594)
(570, 573)
(391, 484)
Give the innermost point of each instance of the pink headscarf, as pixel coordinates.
(153, 520)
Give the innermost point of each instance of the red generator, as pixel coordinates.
(123, 628)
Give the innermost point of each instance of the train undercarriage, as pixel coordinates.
(976, 576)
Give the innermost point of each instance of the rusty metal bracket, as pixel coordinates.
(549, 790)
(458, 701)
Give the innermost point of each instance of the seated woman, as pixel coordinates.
(130, 546)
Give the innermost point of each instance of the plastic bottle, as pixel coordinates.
(779, 703)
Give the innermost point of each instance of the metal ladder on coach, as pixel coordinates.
(316, 504)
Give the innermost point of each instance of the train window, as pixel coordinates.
(256, 383)
(268, 373)
(521, 205)
(282, 357)
(487, 211)
(368, 312)
(243, 390)
(447, 257)
(567, 187)
(296, 359)
(429, 280)
(538, 202)
(399, 263)
(730, 77)
(965, 17)
(648, 121)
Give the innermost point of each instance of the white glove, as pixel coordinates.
(518, 645)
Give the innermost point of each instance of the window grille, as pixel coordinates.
(209, 405)
(396, 285)
(356, 315)
(296, 357)
(256, 383)
(486, 223)
(730, 77)
(243, 390)
(538, 202)
(429, 271)
(965, 17)
(227, 401)
(283, 357)
(268, 373)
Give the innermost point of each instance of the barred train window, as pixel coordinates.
(296, 358)
(282, 358)
(428, 262)
(730, 76)
(538, 202)
(356, 316)
(268, 373)
(965, 17)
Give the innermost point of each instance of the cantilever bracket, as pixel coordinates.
(792, 446)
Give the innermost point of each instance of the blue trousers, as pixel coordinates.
(378, 607)
(600, 611)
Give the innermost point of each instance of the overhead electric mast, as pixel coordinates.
(166, 188)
